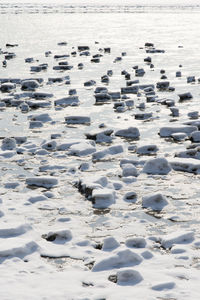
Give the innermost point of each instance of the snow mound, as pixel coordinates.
(124, 258)
(128, 277)
(110, 243)
(14, 230)
(181, 237)
(17, 247)
(164, 286)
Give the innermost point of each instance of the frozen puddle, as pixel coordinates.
(99, 153)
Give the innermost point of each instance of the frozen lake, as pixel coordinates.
(86, 211)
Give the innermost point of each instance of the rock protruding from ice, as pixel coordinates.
(154, 201)
(124, 258)
(131, 132)
(45, 181)
(178, 237)
(158, 166)
(110, 243)
(128, 277)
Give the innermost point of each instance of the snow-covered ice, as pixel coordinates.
(100, 149)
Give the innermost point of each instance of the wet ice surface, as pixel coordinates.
(99, 200)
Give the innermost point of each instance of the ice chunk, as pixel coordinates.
(168, 131)
(61, 234)
(49, 145)
(136, 242)
(67, 101)
(129, 170)
(157, 166)
(29, 85)
(179, 136)
(124, 258)
(185, 96)
(190, 165)
(37, 198)
(8, 144)
(147, 254)
(35, 124)
(11, 185)
(195, 136)
(155, 201)
(40, 117)
(46, 182)
(147, 149)
(131, 132)
(7, 154)
(77, 120)
(130, 197)
(103, 197)
(113, 150)
(82, 149)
